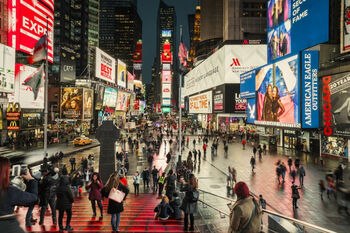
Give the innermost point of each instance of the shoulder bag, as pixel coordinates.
(116, 195)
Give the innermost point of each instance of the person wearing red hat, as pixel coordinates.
(246, 213)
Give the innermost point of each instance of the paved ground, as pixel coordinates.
(212, 177)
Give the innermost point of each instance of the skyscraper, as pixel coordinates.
(194, 23)
(120, 29)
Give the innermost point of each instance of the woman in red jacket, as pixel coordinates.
(95, 186)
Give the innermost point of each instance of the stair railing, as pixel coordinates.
(298, 223)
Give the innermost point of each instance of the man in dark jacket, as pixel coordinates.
(176, 204)
(72, 163)
(64, 202)
(145, 177)
(48, 187)
(170, 184)
(155, 178)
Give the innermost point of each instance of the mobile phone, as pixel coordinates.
(24, 168)
(16, 170)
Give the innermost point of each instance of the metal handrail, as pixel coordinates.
(269, 212)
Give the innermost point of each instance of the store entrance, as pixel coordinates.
(290, 142)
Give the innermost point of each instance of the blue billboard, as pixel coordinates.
(247, 84)
(309, 89)
(294, 25)
(251, 110)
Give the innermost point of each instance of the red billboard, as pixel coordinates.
(28, 20)
(137, 56)
(166, 55)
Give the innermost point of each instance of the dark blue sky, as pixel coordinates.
(148, 10)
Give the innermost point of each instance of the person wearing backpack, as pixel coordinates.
(189, 203)
(246, 213)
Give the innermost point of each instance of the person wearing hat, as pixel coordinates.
(246, 213)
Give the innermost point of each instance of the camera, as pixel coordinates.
(17, 171)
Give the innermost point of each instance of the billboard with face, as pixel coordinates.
(121, 74)
(88, 103)
(29, 87)
(294, 25)
(71, 105)
(277, 93)
(105, 66)
(27, 23)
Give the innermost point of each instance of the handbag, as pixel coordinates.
(116, 195)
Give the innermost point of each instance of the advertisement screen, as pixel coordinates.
(166, 102)
(105, 66)
(110, 97)
(278, 93)
(29, 87)
(166, 76)
(71, 103)
(248, 84)
(99, 97)
(166, 90)
(166, 33)
(233, 101)
(251, 110)
(88, 103)
(131, 81)
(201, 103)
(122, 101)
(7, 68)
(166, 54)
(68, 67)
(121, 74)
(27, 23)
(294, 25)
(336, 102)
(345, 26)
(309, 89)
(218, 99)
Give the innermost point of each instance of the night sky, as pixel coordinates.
(148, 10)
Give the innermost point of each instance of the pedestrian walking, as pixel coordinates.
(283, 171)
(145, 177)
(243, 143)
(293, 173)
(252, 163)
(278, 173)
(77, 184)
(226, 150)
(260, 153)
(297, 163)
(246, 213)
(212, 151)
(322, 188)
(136, 183)
(290, 162)
(301, 174)
(262, 202)
(254, 150)
(229, 177)
(161, 181)
(204, 150)
(95, 186)
(115, 208)
(154, 178)
(188, 140)
(72, 163)
(295, 195)
(64, 203)
(189, 203)
(195, 155)
(194, 144)
(199, 156)
(170, 184)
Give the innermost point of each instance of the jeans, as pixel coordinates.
(136, 188)
(60, 217)
(115, 225)
(146, 182)
(52, 203)
(191, 221)
(154, 184)
(29, 213)
(301, 180)
(93, 205)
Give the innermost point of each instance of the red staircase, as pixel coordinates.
(138, 216)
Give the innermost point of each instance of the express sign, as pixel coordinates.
(28, 21)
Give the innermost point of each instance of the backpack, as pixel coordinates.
(193, 196)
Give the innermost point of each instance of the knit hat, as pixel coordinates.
(241, 189)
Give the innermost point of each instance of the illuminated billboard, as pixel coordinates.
(166, 76)
(27, 23)
(294, 25)
(166, 90)
(121, 74)
(105, 66)
(166, 33)
(201, 103)
(71, 106)
(166, 54)
(110, 97)
(131, 78)
(7, 68)
(88, 103)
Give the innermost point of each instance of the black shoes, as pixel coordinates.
(69, 228)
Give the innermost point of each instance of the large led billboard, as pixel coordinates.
(278, 93)
(294, 25)
(7, 68)
(166, 33)
(167, 54)
(201, 103)
(122, 101)
(131, 78)
(121, 74)
(166, 76)
(27, 92)
(105, 66)
(71, 105)
(110, 97)
(28, 21)
(166, 90)
(68, 66)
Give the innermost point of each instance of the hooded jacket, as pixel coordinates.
(64, 194)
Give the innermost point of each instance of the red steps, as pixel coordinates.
(138, 216)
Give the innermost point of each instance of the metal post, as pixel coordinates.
(180, 117)
(46, 105)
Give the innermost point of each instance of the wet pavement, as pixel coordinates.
(212, 178)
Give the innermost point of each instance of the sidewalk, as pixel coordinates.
(311, 208)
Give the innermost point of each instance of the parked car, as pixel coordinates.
(81, 141)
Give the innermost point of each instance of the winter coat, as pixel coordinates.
(241, 213)
(48, 187)
(78, 181)
(175, 204)
(64, 194)
(164, 210)
(115, 207)
(95, 189)
(187, 206)
(145, 175)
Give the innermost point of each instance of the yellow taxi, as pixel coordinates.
(81, 141)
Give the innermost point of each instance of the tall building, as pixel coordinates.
(194, 24)
(120, 29)
(3, 21)
(230, 20)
